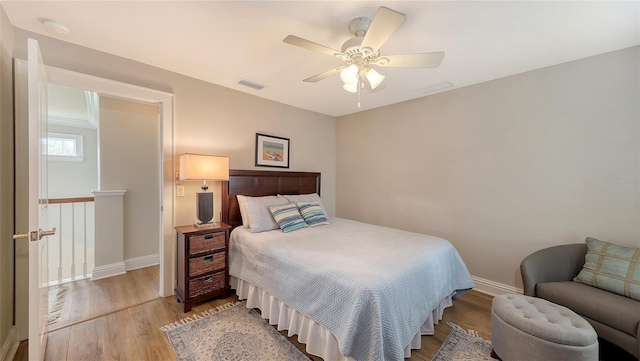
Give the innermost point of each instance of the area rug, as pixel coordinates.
(461, 345)
(229, 332)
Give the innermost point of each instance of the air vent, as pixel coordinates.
(434, 87)
(251, 84)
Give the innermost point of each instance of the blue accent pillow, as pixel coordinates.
(612, 268)
(312, 213)
(288, 217)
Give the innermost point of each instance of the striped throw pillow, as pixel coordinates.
(312, 213)
(612, 268)
(288, 217)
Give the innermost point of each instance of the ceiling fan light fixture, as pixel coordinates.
(349, 74)
(374, 78)
(351, 87)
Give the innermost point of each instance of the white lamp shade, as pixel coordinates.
(199, 167)
(349, 74)
(352, 87)
(374, 78)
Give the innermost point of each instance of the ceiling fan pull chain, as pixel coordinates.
(359, 91)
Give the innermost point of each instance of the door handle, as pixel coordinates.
(34, 236)
(42, 233)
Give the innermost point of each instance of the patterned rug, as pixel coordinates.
(463, 345)
(229, 332)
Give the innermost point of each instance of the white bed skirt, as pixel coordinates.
(318, 340)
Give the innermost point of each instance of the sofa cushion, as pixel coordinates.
(619, 312)
(612, 268)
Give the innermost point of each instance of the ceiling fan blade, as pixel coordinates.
(310, 45)
(383, 25)
(324, 75)
(426, 60)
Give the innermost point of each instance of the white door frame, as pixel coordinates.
(116, 89)
(164, 100)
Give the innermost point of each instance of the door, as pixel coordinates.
(37, 200)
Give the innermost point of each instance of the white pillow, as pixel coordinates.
(312, 197)
(258, 215)
(243, 212)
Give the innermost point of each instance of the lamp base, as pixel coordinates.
(206, 225)
(204, 207)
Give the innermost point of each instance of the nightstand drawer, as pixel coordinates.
(206, 263)
(206, 242)
(202, 270)
(205, 284)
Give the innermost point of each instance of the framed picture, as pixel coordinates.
(272, 151)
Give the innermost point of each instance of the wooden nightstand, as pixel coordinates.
(203, 258)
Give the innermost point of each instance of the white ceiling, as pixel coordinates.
(224, 41)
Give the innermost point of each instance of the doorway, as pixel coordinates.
(113, 89)
(98, 142)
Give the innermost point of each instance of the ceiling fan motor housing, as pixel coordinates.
(359, 26)
(352, 47)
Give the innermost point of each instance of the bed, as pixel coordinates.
(349, 290)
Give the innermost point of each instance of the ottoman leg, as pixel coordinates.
(494, 355)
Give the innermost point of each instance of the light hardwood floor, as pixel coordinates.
(88, 299)
(133, 333)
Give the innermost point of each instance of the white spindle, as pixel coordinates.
(73, 241)
(67, 243)
(84, 239)
(60, 243)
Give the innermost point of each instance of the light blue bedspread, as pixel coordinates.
(372, 287)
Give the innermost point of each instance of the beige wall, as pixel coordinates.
(229, 127)
(6, 179)
(130, 160)
(210, 119)
(75, 179)
(503, 168)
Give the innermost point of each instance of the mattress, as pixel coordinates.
(371, 287)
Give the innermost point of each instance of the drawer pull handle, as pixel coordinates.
(208, 236)
(208, 279)
(208, 259)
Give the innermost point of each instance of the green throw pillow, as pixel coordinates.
(612, 268)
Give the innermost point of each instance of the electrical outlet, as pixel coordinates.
(180, 191)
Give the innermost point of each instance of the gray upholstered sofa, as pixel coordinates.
(549, 273)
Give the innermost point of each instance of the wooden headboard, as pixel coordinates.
(258, 183)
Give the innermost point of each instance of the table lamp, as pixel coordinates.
(197, 167)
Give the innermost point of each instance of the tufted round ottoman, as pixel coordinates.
(528, 328)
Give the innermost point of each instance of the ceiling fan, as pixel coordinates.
(362, 52)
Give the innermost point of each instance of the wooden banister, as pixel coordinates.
(70, 200)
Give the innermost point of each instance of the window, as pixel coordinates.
(65, 147)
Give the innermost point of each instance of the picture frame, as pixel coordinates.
(272, 151)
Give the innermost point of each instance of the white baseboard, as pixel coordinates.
(10, 346)
(119, 268)
(108, 270)
(141, 262)
(493, 288)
